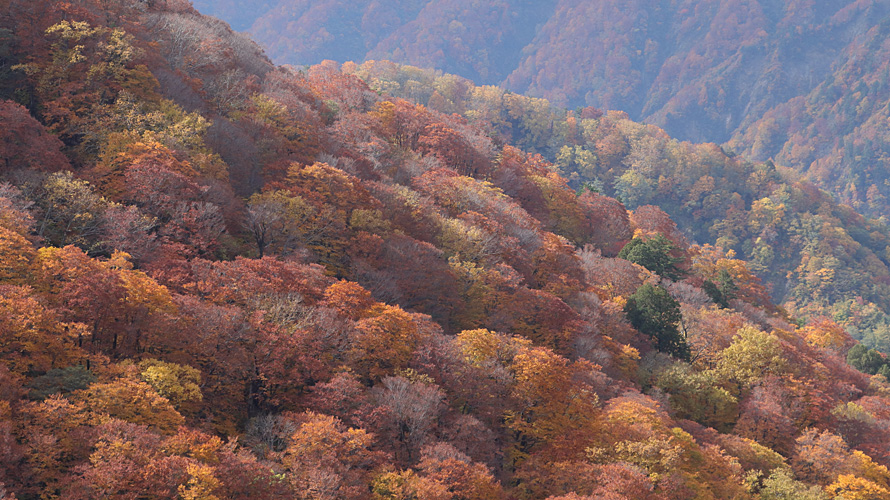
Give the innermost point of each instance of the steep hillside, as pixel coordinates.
(816, 256)
(220, 278)
(803, 83)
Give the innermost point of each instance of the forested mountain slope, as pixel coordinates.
(803, 83)
(816, 256)
(225, 279)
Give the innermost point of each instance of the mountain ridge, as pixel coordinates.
(790, 82)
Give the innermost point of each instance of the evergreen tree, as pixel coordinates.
(654, 254)
(651, 310)
(723, 290)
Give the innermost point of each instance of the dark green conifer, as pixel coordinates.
(652, 311)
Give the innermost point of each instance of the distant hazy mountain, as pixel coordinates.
(241, 14)
(482, 40)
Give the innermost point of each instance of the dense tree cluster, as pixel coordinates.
(225, 279)
(802, 83)
(837, 258)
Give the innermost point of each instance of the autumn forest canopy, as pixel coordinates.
(802, 82)
(226, 279)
